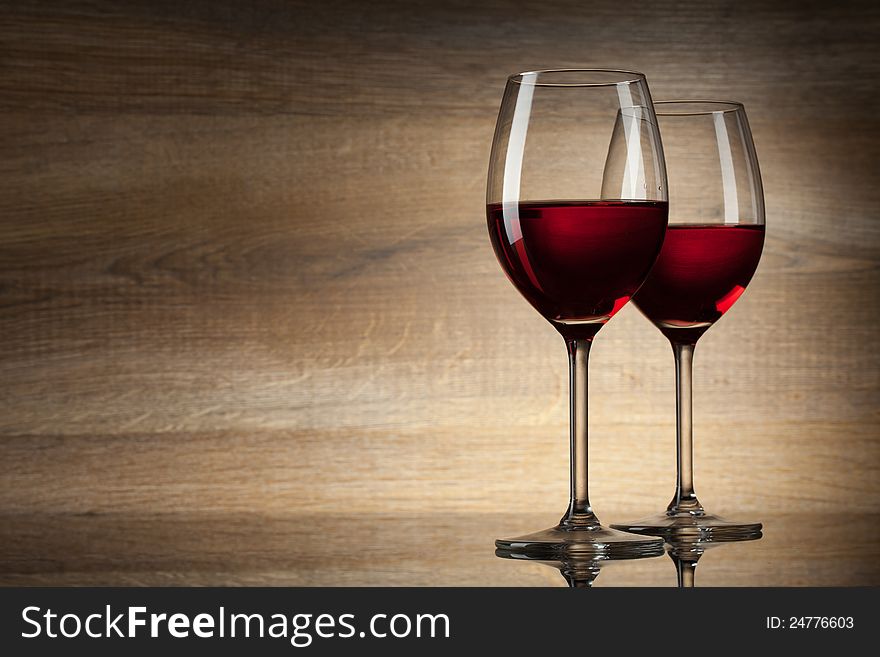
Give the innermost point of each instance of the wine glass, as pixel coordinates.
(576, 207)
(712, 247)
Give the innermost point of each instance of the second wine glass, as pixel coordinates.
(714, 243)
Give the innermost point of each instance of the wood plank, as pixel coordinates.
(360, 469)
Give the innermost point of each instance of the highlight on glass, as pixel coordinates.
(711, 251)
(577, 214)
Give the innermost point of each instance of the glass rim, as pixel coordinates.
(625, 77)
(716, 107)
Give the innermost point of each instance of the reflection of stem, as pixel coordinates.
(685, 556)
(685, 570)
(579, 576)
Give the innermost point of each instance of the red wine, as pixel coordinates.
(577, 262)
(701, 272)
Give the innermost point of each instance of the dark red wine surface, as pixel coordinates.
(701, 272)
(577, 262)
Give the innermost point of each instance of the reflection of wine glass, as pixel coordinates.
(579, 569)
(577, 213)
(714, 242)
(685, 552)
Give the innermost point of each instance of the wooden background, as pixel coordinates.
(244, 267)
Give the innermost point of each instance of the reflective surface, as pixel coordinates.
(376, 550)
(685, 548)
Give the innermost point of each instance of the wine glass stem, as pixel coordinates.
(579, 514)
(685, 500)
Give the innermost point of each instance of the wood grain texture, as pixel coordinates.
(244, 265)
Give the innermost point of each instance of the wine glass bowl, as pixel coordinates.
(577, 213)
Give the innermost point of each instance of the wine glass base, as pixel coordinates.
(596, 542)
(705, 527)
